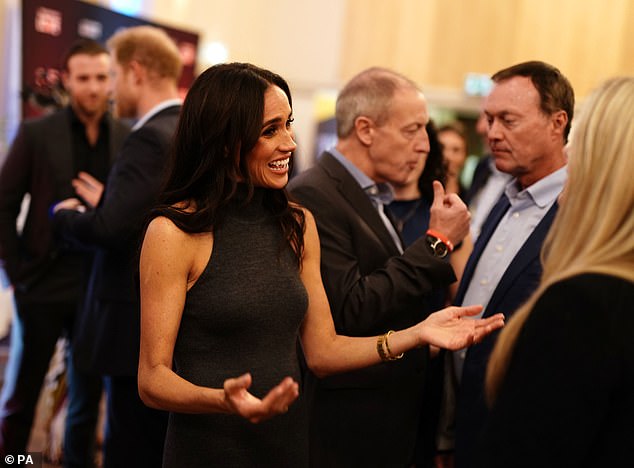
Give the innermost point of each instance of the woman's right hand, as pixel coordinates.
(454, 328)
(240, 401)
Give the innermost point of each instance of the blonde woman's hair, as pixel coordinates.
(593, 231)
(151, 47)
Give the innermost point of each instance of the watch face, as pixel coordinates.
(438, 247)
(441, 249)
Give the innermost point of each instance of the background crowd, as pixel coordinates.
(349, 316)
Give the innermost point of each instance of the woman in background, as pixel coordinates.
(411, 205)
(230, 279)
(413, 199)
(561, 378)
(453, 140)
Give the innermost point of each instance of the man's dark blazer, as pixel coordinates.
(107, 340)
(367, 417)
(517, 283)
(40, 163)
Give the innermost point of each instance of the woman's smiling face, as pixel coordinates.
(268, 161)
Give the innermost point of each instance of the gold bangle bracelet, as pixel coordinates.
(379, 348)
(389, 351)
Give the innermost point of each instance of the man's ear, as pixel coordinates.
(559, 120)
(364, 129)
(138, 71)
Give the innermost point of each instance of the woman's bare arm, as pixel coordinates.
(171, 261)
(328, 353)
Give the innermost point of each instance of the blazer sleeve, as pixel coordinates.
(568, 389)
(131, 189)
(370, 288)
(14, 182)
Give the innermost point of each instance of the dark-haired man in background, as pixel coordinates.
(74, 146)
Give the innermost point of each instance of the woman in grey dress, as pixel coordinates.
(230, 279)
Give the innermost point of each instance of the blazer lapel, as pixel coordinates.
(358, 199)
(529, 252)
(59, 143)
(488, 228)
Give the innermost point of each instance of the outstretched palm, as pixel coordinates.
(453, 327)
(256, 410)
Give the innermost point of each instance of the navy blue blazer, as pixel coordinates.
(108, 329)
(517, 283)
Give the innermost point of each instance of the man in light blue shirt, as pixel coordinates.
(527, 208)
(529, 112)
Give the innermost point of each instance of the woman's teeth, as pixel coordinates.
(280, 163)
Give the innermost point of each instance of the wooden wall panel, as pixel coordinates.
(626, 62)
(436, 42)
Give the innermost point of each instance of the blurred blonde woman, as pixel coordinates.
(561, 378)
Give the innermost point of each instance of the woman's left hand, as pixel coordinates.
(239, 401)
(453, 328)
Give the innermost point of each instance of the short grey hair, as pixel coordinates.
(368, 94)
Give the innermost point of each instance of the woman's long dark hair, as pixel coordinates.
(434, 166)
(220, 123)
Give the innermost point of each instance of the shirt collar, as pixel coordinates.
(155, 110)
(381, 192)
(543, 192)
(74, 119)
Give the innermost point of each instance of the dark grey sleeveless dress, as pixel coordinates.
(242, 315)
